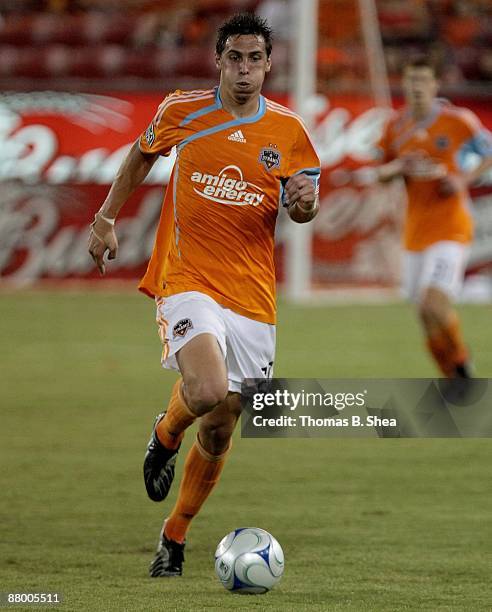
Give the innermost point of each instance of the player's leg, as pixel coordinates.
(250, 354)
(444, 336)
(202, 470)
(204, 464)
(413, 278)
(193, 335)
(441, 280)
(202, 386)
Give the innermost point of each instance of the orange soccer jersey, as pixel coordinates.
(216, 232)
(443, 139)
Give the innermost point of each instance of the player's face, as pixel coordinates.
(243, 66)
(420, 87)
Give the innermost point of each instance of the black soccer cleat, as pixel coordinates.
(464, 370)
(158, 467)
(169, 558)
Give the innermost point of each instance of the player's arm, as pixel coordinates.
(391, 165)
(301, 188)
(301, 198)
(404, 166)
(158, 139)
(453, 183)
(479, 144)
(131, 174)
(386, 172)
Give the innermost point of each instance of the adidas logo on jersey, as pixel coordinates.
(237, 137)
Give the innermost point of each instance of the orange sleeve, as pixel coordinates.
(162, 134)
(303, 157)
(476, 137)
(303, 160)
(471, 136)
(470, 123)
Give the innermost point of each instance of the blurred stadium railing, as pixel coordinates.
(79, 80)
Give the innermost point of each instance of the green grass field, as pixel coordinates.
(365, 524)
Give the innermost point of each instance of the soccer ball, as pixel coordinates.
(249, 560)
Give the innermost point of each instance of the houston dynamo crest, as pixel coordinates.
(270, 158)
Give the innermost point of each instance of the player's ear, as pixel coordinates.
(218, 62)
(268, 64)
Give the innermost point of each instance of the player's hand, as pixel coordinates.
(300, 189)
(421, 167)
(102, 238)
(412, 164)
(449, 185)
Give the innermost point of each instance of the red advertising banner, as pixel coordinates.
(44, 231)
(62, 138)
(59, 152)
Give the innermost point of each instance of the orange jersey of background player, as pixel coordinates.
(443, 140)
(216, 232)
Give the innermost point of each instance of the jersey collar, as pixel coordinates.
(259, 114)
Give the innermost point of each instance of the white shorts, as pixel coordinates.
(248, 346)
(442, 265)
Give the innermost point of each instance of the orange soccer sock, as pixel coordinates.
(458, 353)
(438, 345)
(170, 430)
(201, 473)
(447, 346)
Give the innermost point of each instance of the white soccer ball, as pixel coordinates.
(249, 560)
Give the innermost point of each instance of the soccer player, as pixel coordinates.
(426, 143)
(239, 156)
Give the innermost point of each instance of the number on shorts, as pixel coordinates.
(268, 369)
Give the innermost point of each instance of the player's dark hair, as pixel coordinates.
(245, 23)
(421, 60)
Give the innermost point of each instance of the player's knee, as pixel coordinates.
(216, 437)
(203, 396)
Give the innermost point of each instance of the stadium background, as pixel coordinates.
(376, 525)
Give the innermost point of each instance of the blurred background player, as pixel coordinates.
(212, 270)
(426, 142)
